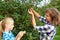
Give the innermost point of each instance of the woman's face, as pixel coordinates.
(48, 18)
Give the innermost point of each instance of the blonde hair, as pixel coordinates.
(54, 14)
(2, 24)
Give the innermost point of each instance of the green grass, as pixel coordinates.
(57, 36)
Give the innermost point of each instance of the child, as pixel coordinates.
(6, 26)
(51, 19)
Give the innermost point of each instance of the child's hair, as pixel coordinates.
(2, 24)
(54, 14)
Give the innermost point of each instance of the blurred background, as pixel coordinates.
(18, 10)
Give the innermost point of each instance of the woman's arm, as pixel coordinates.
(33, 20)
(35, 13)
(41, 18)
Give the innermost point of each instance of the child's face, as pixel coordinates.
(10, 25)
(48, 18)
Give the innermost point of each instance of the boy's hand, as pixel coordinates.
(20, 34)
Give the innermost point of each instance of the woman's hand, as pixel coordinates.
(34, 12)
(30, 11)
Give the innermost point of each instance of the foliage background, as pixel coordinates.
(19, 12)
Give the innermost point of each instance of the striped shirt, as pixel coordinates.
(47, 31)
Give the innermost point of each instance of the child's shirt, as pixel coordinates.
(8, 36)
(47, 31)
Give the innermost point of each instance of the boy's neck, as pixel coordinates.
(6, 30)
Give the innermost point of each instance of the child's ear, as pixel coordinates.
(6, 25)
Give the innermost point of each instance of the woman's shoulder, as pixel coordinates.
(49, 26)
